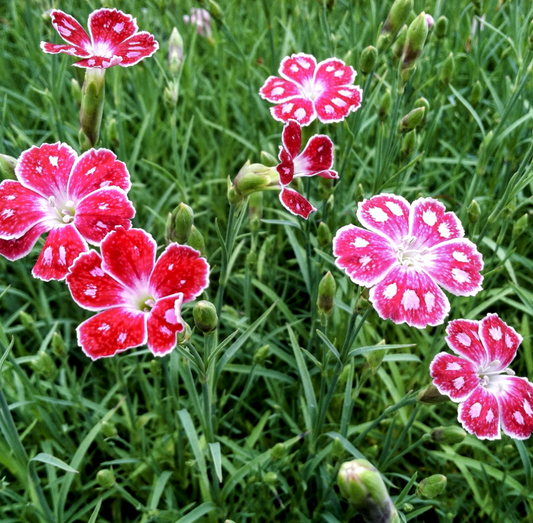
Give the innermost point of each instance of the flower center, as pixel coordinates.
(147, 305)
(64, 212)
(492, 379)
(311, 90)
(409, 254)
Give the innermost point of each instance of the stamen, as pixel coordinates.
(495, 363)
(70, 203)
(68, 218)
(511, 372)
(52, 201)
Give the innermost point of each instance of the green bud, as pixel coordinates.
(105, 478)
(27, 321)
(268, 159)
(43, 364)
(47, 15)
(520, 226)
(359, 193)
(408, 144)
(509, 450)
(407, 507)
(384, 105)
(324, 235)
(214, 10)
(261, 354)
(368, 60)
(448, 68)
(182, 220)
(430, 395)
(175, 52)
(251, 259)
(75, 90)
(278, 452)
(7, 166)
(361, 485)
(422, 102)
(473, 211)
(412, 119)
(109, 430)
(372, 451)
(170, 94)
(399, 43)
(448, 435)
(196, 241)
(431, 487)
(414, 43)
(254, 177)
(255, 211)
(205, 316)
(326, 294)
(185, 335)
(482, 156)
(397, 17)
(156, 368)
(337, 449)
(270, 478)
(530, 36)
(58, 345)
(441, 27)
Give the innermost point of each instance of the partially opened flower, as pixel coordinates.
(407, 253)
(201, 20)
(115, 39)
(139, 298)
(480, 380)
(79, 200)
(309, 90)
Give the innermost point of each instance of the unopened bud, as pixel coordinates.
(361, 485)
(422, 102)
(326, 294)
(270, 478)
(47, 15)
(58, 345)
(196, 241)
(399, 43)
(448, 435)
(105, 478)
(109, 430)
(175, 51)
(368, 60)
(205, 316)
(384, 105)
(324, 235)
(170, 94)
(473, 211)
(430, 20)
(408, 144)
(509, 450)
(520, 226)
(278, 451)
(414, 43)
(430, 395)
(268, 159)
(431, 487)
(43, 364)
(254, 177)
(398, 15)
(215, 11)
(7, 166)
(251, 259)
(407, 507)
(27, 320)
(448, 68)
(337, 449)
(185, 335)
(359, 193)
(441, 28)
(255, 211)
(412, 119)
(475, 95)
(482, 156)
(183, 219)
(155, 368)
(75, 90)
(261, 354)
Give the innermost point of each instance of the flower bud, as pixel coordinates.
(368, 60)
(185, 335)
(254, 177)
(181, 223)
(105, 478)
(407, 507)
(324, 235)
(482, 156)
(326, 294)
(448, 435)
(175, 52)
(361, 485)
(261, 354)
(441, 28)
(170, 94)
(7, 166)
(431, 487)
(473, 211)
(278, 451)
(520, 226)
(196, 241)
(27, 320)
(270, 478)
(75, 90)
(430, 395)
(268, 159)
(509, 450)
(399, 43)
(205, 316)
(475, 95)
(155, 368)
(255, 211)
(337, 449)
(58, 345)
(408, 144)
(430, 20)
(359, 193)
(214, 10)
(109, 430)
(43, 364)
(398, 14)
(47, 16)
(414, 43)
(412, 119)
(448, 68)
(384, 105)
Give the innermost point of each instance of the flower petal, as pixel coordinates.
(300, 109)
(335, 103)
(299, 68)
(140, 45)
(500, 340)
(516, 407)
(95, 169)
(480, 414)
(129, 256)
(295, 203)
(72, 50)
(109, 28)
(333, 72)
(16, 249)
(463, 338)
(285, 168)
(365, 256)
(90, 287)
(69, 29)
(315, 158)
(63, 245)
(163, 323)
(112, 331)
(387, 214)
(277, 89)
(292, 138)
(453, 376)
(20, 209)
(431, 224)
(408, 296)
(455, 265)
(99, 62)
(180, 269)
(46, 169)
(101, 212)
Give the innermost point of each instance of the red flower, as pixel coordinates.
(479, 379)
(315, 160)
(114, 39)
(78, 200)
(139, 298)
(409, 251)
(308, 90)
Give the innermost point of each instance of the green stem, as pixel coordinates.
(92, 107)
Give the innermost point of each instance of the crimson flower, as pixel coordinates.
(479, 379)
(114, 39)
(139, 298)
(315, 160)
(408, 252)
(309, 90)
(78, 200)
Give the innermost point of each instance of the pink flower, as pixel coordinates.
(409, 251)
(315, 160)
(308, 90)
(480, 380)
(139, 298)
(114, 40)
(201, 19)
(78, 200)
(430, 20)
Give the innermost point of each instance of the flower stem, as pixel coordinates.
(92, 107)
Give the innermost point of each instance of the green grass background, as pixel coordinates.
(122, 413)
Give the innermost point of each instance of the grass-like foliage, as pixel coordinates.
(225, 428)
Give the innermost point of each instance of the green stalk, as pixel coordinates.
(92, 107)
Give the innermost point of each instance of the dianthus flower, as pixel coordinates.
(78, 200)
(408, 252)
(139, 298)
(201, 20)
(489, 394)
(114, 39)
(309, 90)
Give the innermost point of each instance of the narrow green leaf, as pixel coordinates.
(159, 488)
(370, 348)
(55, 462)
(197, 513)
(216, 454)
(96, 511)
